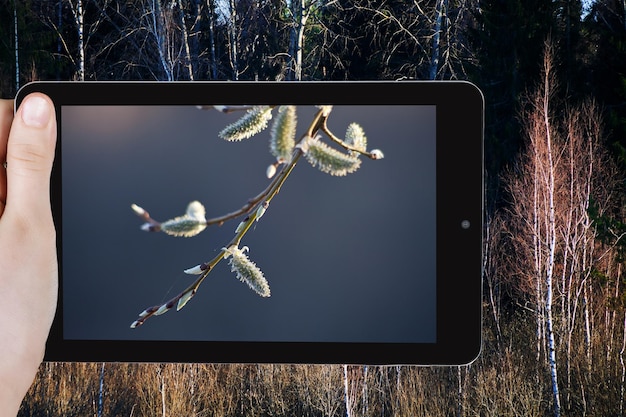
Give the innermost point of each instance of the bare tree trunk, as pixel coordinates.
(158, 31)
(194, 33)
(232, 40)
(551, 191)
(353, 376)
(365, 399)
(77, 13)
(434, 56)
(101, 391)
(621, 361)
(536, 190)
(161, 379)
(613, 312)
(459, 393)
(300, 11)
(81, 39)
(213, 66)
(185, 39)
(304, 16)
(346, 391)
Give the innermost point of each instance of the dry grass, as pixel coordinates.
(501, 382)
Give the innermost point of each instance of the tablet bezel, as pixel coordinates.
(459, 182)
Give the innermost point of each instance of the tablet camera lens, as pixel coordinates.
(465, 224)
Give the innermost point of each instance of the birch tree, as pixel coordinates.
(233, 39)
(563, 172)
(78, 13)
(396, 39)
(299, 11)
(75, 53)
(187, 60)
(534, 192)
(75, 45)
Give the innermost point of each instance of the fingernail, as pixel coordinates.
(35, 112)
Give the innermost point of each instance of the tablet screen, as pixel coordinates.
(187, 232)
(347, 258)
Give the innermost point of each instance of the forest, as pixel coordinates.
(553, 74)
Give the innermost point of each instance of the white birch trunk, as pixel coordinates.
(621, 361)
(101, 392)
(365, 392)
(79, 17)
(161, 379)
(77, 13)
(304, 16)
(459, 394)
(346, 390)
(232, 35)
(211, 5)
(300, 12)
(551, 250)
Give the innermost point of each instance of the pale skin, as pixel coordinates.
(28, 261)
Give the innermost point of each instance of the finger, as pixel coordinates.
(6, 117)
(30, 152)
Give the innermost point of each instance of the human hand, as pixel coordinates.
(28, 261)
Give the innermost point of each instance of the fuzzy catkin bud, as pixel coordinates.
(246, 270)
(251, 123)
(283, 133)
(356, 138)
(328, 159)
(190, 224)
(183, 226)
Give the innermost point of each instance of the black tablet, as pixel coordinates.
(263, 222)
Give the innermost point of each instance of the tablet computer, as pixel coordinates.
(268, 222)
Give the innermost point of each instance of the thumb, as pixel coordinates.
(30, 152)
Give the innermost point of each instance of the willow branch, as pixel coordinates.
(260, 201)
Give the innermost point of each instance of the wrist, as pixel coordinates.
(16, 378)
